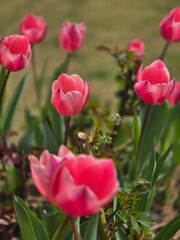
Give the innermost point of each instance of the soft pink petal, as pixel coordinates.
(78, 201)
(86, 94)
(155, 75)
(40, 178)
(161, 91)
(146, 92)
(70, 103)
(171, 86)
(65, 152)
(139, 73)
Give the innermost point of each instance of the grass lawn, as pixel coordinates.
(110, 22)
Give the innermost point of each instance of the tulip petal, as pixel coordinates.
(146, 92)
(70, 103)
(139, 72)
(86, 93)
(161, 91)
(171, 86)
(39, 176)
(155, 75)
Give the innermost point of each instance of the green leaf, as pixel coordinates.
(91, 230)
(14, 178)
(49, 140)
(159, 165)
(136, 131)
(168, 231)
(52, 221)
(145, 219)
(12, 105)
(155, 125)
(135, 225)
(31, 227)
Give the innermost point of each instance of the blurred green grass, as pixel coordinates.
(109, 22)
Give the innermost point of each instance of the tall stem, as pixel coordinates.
(67, 127)
(35, 79)
(142, 134)
(3, 88)
(75, 229)
(61, 228)
(67, 62)
(164, 51)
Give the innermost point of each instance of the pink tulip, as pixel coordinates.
(174, 98)
(15, 52)
(71, 36)
(137, 47)
(33, 27)
(43, 170)
(80, 185)
(153, 85)
(170, 26)
(69, 94)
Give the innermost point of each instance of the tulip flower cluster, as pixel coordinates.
(80, 185)
(87, 183)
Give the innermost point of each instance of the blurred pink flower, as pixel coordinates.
(174, 98)
(137, 47)
(153, 83)
(69, 94)
(71, 36)
(43, 171)
(80, 185)
(33, 27)
(170, 26)
(15, 52)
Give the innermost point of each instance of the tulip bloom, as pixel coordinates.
(153, 85)
(80, 185)
(137, 47)
(174, 98)
(15, 52)
(69, 94)
(71, 36)
(33, 27)
(170, 26)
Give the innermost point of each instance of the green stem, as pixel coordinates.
(61, 228)
(67, 62)
(75, 229)
(3, 88)
(34, 72)
(164, 51)
(145, 120)
(67, 127)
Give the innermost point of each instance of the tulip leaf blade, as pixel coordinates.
(159, 165)
(31, 227)
(168, 231)
(156, 122)
(13, 104)
(91, 230)
(49, 140)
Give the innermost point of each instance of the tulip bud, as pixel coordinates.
(72, 36)
(33, 27)
(153, 85)
(170, 26)
(137, 47)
